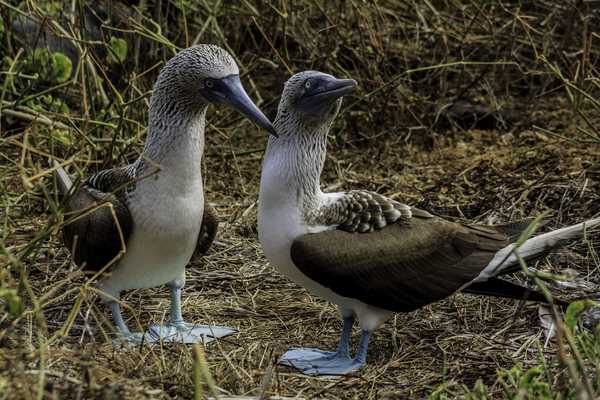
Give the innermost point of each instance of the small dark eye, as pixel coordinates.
(209, 83)
(307, 84)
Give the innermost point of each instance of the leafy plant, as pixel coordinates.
(117, 50)
(12, 301)
(50, 68)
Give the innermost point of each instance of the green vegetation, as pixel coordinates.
(476, 110)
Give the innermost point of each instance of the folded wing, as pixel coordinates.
(404, 265)
(98, 221)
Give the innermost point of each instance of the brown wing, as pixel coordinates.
(403, 266)
(94, 237)
(208, 230)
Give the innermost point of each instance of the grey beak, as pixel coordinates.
(330, 90)
(236, 97)
(335, 88)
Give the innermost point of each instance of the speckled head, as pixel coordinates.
(204, 74)
(312, 98)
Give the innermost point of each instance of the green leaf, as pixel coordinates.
(118, 50)
(62, 136)
(61, 67)
(11, 301)
(575, 309)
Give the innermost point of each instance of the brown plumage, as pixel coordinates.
(208, 230)
(417, 261)
(369, 254)
(94, 233)
(93, 236)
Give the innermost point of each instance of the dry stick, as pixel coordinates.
(204, 370)
(266, 380)
(262, 32)
(427, 68)
(42, 373)
(157, 37)
(581, 381)
(48, 171)
(561, 331)
(198, 392)
(226, 357)
(37, 117)
(66, 328)
(5, 86)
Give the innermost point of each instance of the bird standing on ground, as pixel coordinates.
(158, 201)
(368, 254)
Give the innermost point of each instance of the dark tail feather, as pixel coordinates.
(500, 288)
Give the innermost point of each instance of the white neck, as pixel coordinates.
(175, 143)
(292, 167)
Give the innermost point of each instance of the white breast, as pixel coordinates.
(279, 223)
(167, 222)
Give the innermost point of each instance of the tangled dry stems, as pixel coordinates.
(461, 111)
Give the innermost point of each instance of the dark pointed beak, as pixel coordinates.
(330, 89)
(235, 96)
(335, 88)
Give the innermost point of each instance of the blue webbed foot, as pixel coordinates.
(312, 361)
(300, 357)
(334, 367)
(182, 332)
(129, 338)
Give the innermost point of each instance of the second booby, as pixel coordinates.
(140, 224)
(368, 254)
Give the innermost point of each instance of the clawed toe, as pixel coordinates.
(334, 367)
(182, 332)
(301, 355)
(318, 362)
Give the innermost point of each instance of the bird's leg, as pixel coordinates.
(363, 348)
(344, 344)
(177, 330)
(304, 357)
(115, 309)
(342, 365)
(124, 331)
(176, 316)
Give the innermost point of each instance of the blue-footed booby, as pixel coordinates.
(369, 254)
(154, 209)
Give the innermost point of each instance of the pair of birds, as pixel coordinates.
(370, 255)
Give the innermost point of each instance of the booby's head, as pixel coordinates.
(206, 74)
(312, 99)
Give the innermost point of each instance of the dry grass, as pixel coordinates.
(532, 147)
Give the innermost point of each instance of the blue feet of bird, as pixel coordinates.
(311, 361)
(182, 332)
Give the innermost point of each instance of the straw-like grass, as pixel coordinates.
(482, 111)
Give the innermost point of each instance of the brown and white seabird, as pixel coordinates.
(158, 201)
(369, 254)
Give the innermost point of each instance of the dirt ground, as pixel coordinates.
(500, 137)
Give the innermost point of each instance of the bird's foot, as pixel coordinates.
(312, 361)
(298, 356)
(182, 332)
(132, 338)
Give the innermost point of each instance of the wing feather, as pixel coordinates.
(94, 237)
(401, 267)
(208, 229)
